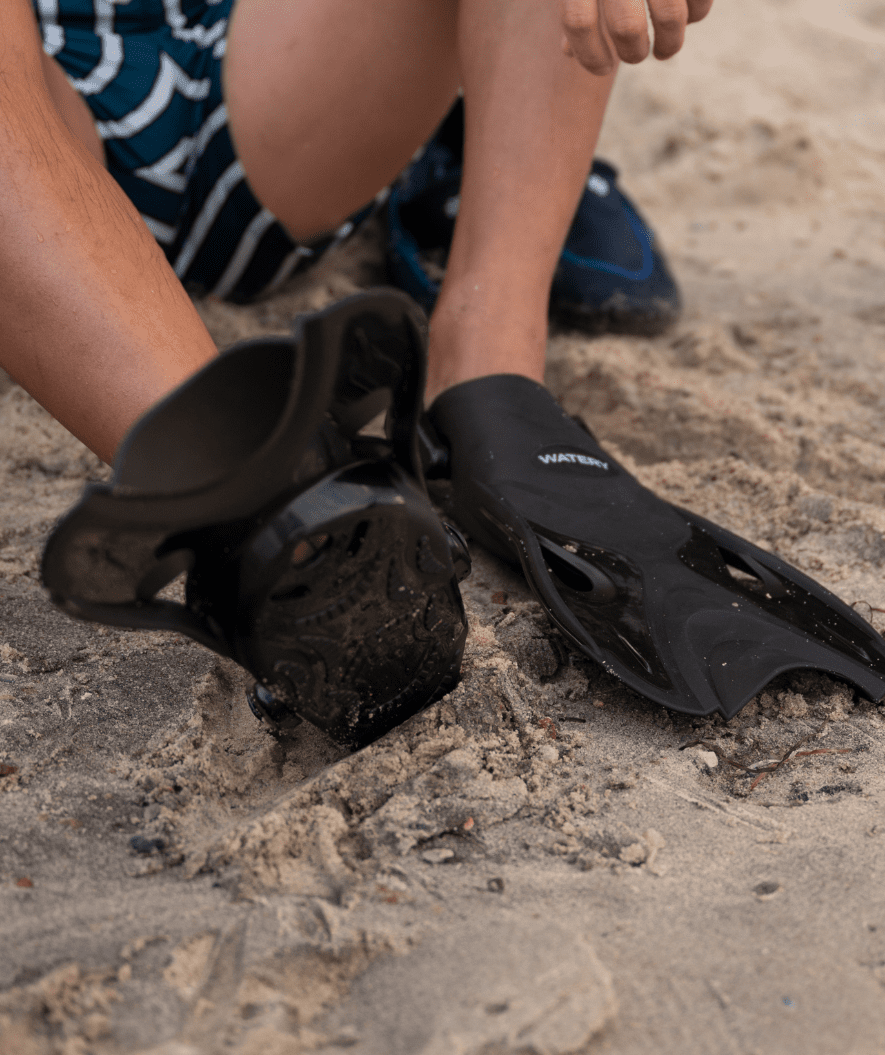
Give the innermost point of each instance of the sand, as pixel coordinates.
(533, 865)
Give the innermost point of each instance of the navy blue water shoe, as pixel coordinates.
(611, 276)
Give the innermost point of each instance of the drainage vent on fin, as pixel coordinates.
(752, 575)
(573, 578)
(357, 538)
(295, 594)
(577, 574)
(745, 578)
(308, 550)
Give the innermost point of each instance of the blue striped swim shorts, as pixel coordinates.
(150, 71)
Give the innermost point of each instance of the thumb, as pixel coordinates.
(585, 35)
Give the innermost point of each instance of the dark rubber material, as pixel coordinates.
(313, 555)
(684, 612)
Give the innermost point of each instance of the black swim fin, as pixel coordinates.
(684, 612)
(313, 555)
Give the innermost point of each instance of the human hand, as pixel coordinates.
(599, 32)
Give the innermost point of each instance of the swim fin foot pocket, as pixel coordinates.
(684, 612)
(312, 554)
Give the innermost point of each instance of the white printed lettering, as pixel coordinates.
(572, 459)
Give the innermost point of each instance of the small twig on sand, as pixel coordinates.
(791, 754)
(867, 603)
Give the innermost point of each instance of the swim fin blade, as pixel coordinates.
(312, 554)
(684, 612)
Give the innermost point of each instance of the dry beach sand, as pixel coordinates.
(532, 865)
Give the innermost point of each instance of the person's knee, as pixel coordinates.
(320, 123)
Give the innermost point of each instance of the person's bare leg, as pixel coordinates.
(72, 108)
(533, 117)
(94, 325)
(326, 108)
(328, 100)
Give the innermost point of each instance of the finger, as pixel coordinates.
(669, 17)
(698, 9)
(585, 35)
(627, 26)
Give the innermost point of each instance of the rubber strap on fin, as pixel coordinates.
(226, 443)
(684, 612)
(296, 534)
